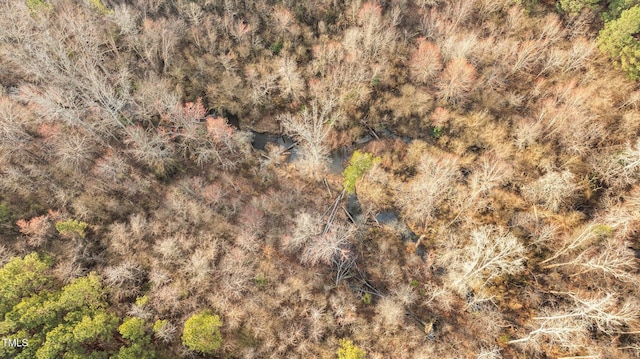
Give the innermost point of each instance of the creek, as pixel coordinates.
(338, 160)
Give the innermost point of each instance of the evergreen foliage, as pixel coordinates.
(618, 40)
(20, 278)
(72, 322)
(616, 7)
(202, 333)
(576, 6)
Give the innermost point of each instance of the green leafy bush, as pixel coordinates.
(202, 333)
(359, 164)
(98, 5)
(159, 325)
(348, 350)
(276, 47)
(366, 299)
(436, 131)
(72, 227)
(132, 328)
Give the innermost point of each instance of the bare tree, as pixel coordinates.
(199, 266)
(491, 252)
(307, 227)
(615, 260)
(291, 83)
(214, 141)
(37, 230)
(567, 332)
(426, 61)
(488, 174)
(587, 236)
(457, 81)
(553, 190)
(435, 180)
(125, 277)
(154, 98)
(579, 55)
(619, 168)
(489, 353)
(310, 128)
(157, 42)
(569, 327)
(15, 139)
(374, 38)
(150, 148)
(391, 314)
(460, 46)
(75, 152)
(125, 17)
(283, 19)
(166, 332)
(329, 246)
(263, 81)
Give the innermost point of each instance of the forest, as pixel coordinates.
(319, 179)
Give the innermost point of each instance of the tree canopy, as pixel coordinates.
(619, 40)
(68, 322)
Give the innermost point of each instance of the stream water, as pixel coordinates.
(337, 161)
(337, 158)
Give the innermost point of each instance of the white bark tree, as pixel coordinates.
(420, 197)
(490, 253)
(569, 327)
(311, 128)
(553, 190)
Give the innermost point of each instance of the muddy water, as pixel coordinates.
(337, 159)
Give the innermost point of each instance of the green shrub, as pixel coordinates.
(132, 329)
(98, 5)
(348, 350)
(366, 299)
(202, 333)
(276, 47)
(436, 131)
(618, 41)
(68, 322)
(159, 325)
(71, 227)
(72, 321)
(576, 6)
(37, 6)
(142, 301)
(21, 278)
(375, 81)
(359, 164)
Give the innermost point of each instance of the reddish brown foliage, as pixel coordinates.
(218, 128)
(37, 229)
(426, 61)
(458, 78)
